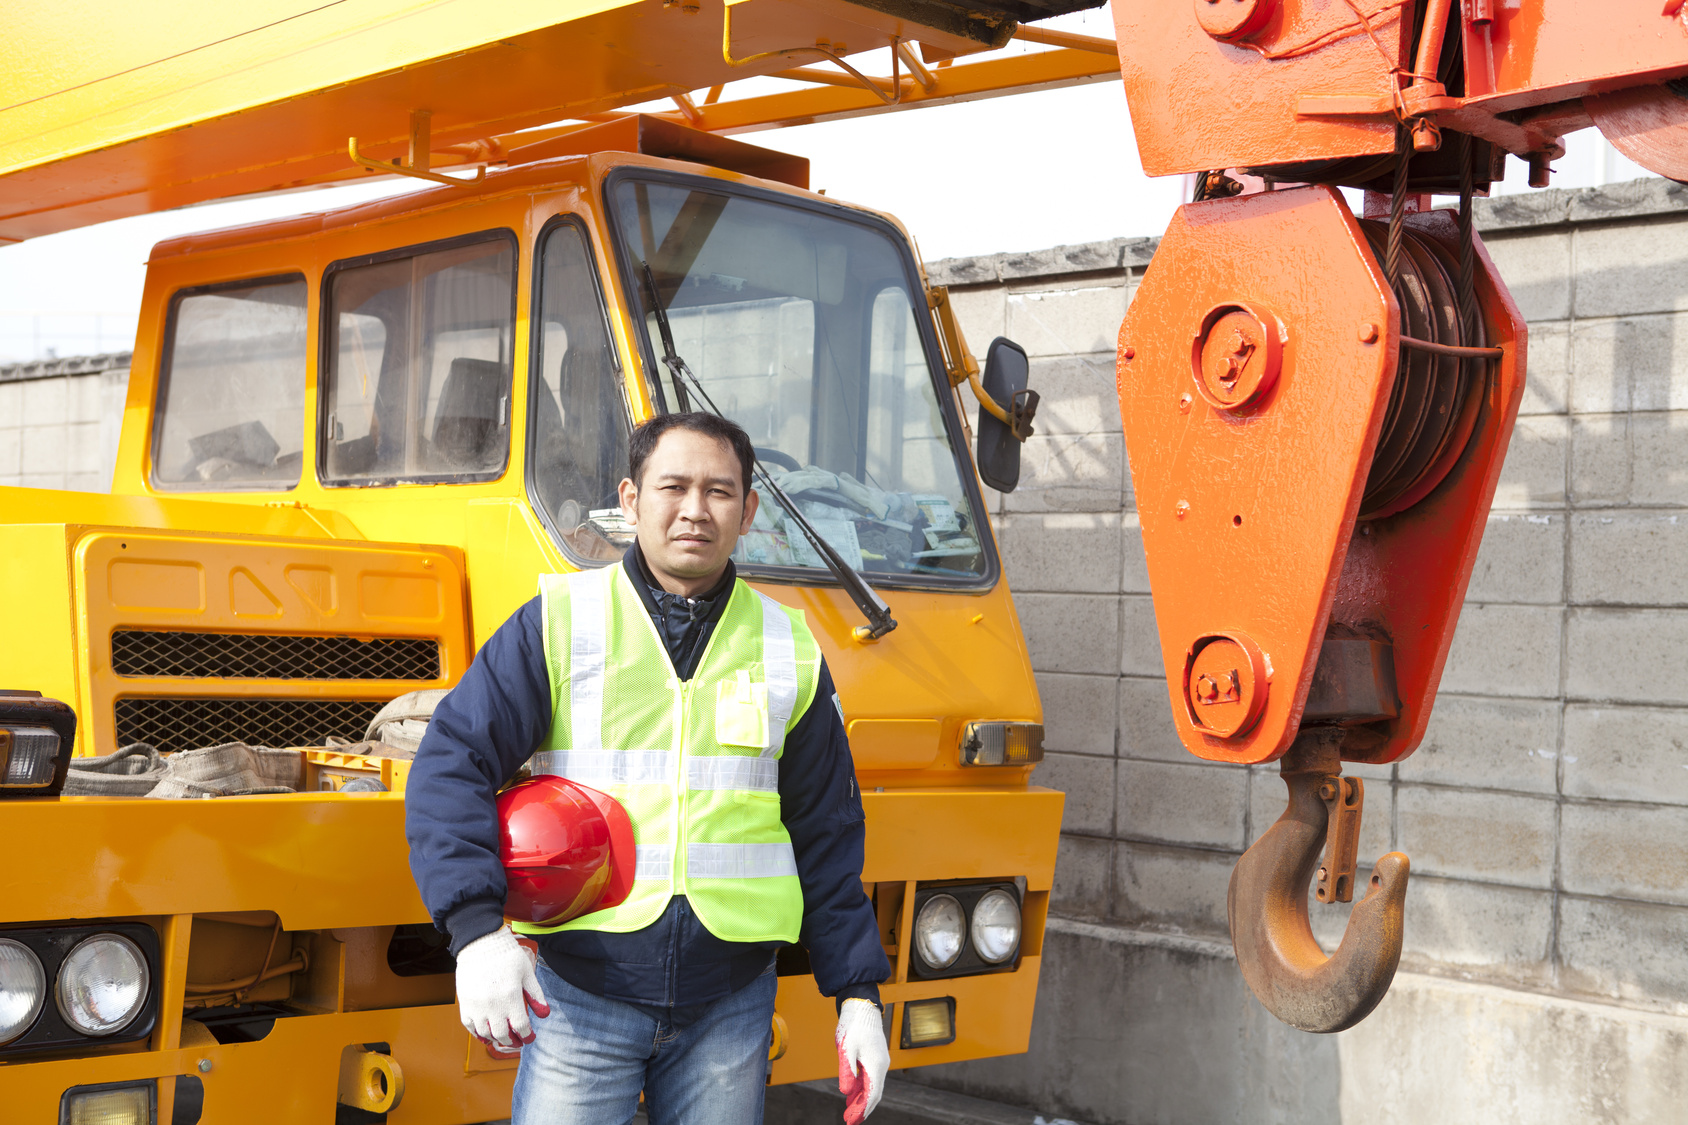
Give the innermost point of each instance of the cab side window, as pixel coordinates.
(419, 354)
(231, 393)
(578, 417)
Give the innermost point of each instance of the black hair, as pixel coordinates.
(645, 436)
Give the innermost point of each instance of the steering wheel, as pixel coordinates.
(783, 460)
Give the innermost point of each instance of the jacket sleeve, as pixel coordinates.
(478, 737)
(822, 811)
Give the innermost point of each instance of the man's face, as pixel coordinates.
(689, 510)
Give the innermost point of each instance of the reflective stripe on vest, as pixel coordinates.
(599, 768)
(705, 811)
(740, 861)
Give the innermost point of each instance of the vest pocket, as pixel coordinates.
(741, 712)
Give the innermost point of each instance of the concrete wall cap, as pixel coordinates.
(69, 365)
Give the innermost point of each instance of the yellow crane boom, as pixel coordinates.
(114, 110)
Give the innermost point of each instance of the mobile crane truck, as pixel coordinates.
(355, 439)
(1316, 408)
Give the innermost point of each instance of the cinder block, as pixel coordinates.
(1135, 579)
(1079, 712)
(1629, 268)
(1547, 381)
(1501, 933)
(1146, 729)
(1630, 952)
(1522, 559)
(1066, 321)
(1202, 803)
(45, 402)
(1505, 650)
(83, 398)
(1488, 743)
(1659, 444)
(1629, 558)
(1626, 754)
(82, 448)
(1181, 889)
(1537, 269)
(1625, 851)
(1267, 799)
(1062, 551)
(11, 404)
(1070, 632)
(1089, 785)
(1083, 877)
(11, 453)
(1600, 460)
(1533, 474)
(87, 482)
(982, 312)
(1626, 655)
(1631, 363)
(46, 449)
(42, 480)
(1075, 394)
(1069, 473)
(1140, 652)
(1491, 837)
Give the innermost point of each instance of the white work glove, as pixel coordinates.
(496, 986)
(863, 1058)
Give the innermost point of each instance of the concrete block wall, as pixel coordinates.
(60, 420)
(1546, 812)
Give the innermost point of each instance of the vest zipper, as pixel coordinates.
(683, 708)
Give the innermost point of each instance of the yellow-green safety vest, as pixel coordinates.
(695, 763)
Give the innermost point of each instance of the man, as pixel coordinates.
(746, 813)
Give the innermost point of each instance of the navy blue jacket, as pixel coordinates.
(499, 714)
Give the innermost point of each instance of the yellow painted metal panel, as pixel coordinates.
(291, 1075)
(317, 860)
(200, 582)
(159, 105)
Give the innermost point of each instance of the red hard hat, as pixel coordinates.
(567, 850)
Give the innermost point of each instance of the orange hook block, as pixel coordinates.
(1271, 411)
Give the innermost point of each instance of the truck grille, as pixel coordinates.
(188, 724)
(272, 656)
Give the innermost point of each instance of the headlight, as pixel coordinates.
(23, 987)
(996, 927)
(938, 931)
(29, 756)
(102, 984)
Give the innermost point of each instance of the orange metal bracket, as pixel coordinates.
(420, 157)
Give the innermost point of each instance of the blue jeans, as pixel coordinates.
(592, 1056)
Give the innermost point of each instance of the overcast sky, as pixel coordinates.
(1016, 173)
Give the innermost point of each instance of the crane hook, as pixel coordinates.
(1270, 931)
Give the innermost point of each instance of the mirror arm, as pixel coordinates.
(959, 364)
(961, 367)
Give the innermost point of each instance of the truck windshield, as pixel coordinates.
(801, 325)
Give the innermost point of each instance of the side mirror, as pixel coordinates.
(1007, 371)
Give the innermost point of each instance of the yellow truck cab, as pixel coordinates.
(353, 441)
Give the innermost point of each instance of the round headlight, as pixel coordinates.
(938, 932)
(23, 988)
(996, 927)
(102, 985)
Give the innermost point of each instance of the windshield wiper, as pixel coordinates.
(873, 607)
